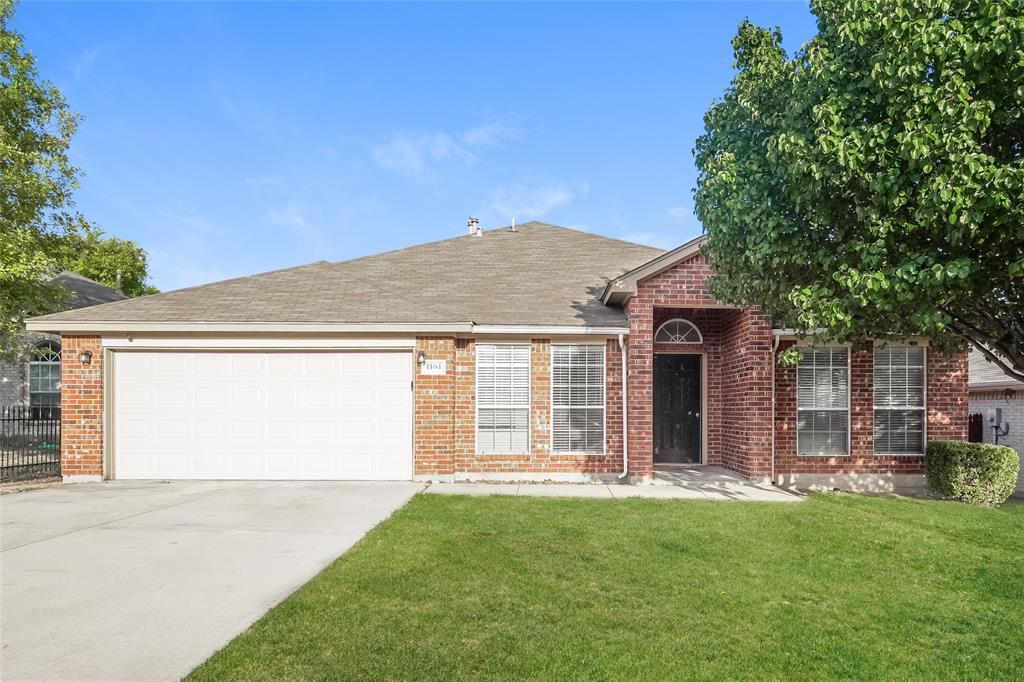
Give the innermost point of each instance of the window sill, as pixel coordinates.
(823, 454)
(898, 454)
(520, 457)
(578, 455)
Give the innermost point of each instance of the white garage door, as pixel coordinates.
(262, 415)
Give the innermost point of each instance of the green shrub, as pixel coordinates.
(976, 473)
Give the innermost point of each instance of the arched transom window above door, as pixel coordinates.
(678, 331)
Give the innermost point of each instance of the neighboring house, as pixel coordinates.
(1000, 402)
(35, 381)
(498, 355)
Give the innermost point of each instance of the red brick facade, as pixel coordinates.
(445, 441)
(946, 417)
(738, 370)
(81, 399)
(736, 352)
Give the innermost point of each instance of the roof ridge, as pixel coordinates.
(78, 275)
(502, 228)
(588, 234)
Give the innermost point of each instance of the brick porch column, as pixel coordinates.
(640, 385)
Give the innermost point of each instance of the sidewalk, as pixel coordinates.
(746, 491)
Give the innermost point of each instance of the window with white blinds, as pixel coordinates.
(502, 399)
(577, 399)
(823, 401)
(899, 400)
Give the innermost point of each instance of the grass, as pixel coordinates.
(510, 588)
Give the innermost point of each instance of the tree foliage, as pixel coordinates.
(41, 233)
(872, 185)
(118, 263)
(36, 183)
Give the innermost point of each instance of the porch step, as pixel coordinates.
(702, 477)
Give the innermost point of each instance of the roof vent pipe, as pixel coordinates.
(474, 226)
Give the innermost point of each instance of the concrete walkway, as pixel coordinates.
(690, 483)
(145, 580)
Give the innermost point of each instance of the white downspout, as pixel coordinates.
(625, 414)
(775, 348)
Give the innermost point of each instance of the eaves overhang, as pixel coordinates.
(246, 328)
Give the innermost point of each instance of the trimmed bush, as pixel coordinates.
(975, 473)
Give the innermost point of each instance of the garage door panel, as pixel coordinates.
(262, 415)
(245, 397)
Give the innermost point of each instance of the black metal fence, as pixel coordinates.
(29, 442)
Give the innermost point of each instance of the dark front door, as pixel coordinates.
(677, 409)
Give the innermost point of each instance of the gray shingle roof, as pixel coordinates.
(984, 374)
(538, 275)
(84, 292)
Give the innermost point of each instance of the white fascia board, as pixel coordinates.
(133, 342)
(548, 331)
(247, 327)
(995, 385)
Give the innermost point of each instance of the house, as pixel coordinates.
(1000, 402)
(537, 353)
(35, 380)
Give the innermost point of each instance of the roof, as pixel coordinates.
(983, 374)
(538, 275)
(624, 286)
(85, 292)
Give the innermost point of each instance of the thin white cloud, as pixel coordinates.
(85, 60)
(179, 261)
(245, 111)
(528, 200)
(414, 154)
(297, 221)
(679, 214)
(490, 133)
(421, 155)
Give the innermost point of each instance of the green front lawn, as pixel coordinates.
(500, 587)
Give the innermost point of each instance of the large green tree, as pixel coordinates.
(872, 185)
(36, 184)
(41, 233)
(118, 263)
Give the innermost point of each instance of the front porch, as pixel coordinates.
(703, 377)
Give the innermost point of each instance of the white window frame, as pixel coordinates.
(923, 408)
(56, 349)
(476, 399)
(849, 396)
(604, 407)
(700, 336)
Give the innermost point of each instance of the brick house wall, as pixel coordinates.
(445, 419)
(946, 409)
(737, 412)
(434, 413)
(13, 383)
(81, 419)
(747, 393)
(737, 355)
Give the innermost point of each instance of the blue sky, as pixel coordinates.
(233, 138)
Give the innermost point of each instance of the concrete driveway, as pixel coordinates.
(144, 581)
